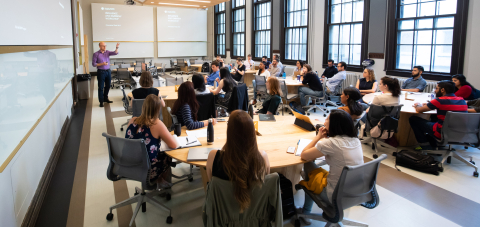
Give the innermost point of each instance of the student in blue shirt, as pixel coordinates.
(266, 62)
(210, 80)
(416, 83)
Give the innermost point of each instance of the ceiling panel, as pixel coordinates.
(182, 3)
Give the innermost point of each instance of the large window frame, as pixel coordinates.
(255, 30)
(364, 42)
(238, 28)
(285, 29)
(458, 41)
(220, 33)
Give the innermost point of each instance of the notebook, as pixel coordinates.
(302, 143)
(199, 154)
(182, 142)
(266, 117)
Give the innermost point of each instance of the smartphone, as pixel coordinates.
(291, 150)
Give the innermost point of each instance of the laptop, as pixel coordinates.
(199, 154)
(266, 117)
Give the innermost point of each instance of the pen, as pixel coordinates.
(187, 139)
(191, 142)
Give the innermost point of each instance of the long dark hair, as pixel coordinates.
(258, 72)
(227, 79)
(198, 82)
(393, 85)
(186, 95)
(352, 101)
(463, 81)
(242, 161)
(301, 64)
(341, 124)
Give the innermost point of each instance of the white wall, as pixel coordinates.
(19, 181)
(471, 66)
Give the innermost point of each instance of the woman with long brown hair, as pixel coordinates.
(146, 83)
(274, 97)
(367, 84)
(186, 107)
(239, 161)
(153, 131)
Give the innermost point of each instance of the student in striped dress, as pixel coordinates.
(186, 107)
(445, 101)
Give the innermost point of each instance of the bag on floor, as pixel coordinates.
(418, 161)
(288, 203)
(297, 107)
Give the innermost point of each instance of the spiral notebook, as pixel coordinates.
(182, 142)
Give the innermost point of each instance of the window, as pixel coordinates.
(262, 24)
(238, 28)
(425, 33)
(220, 29)
(346, 32)
(296, 31)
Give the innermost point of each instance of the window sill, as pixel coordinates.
(425, 75)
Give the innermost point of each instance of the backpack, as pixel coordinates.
(297, 107)
(288, 203)
(418, 161)
(385, 128)
(475, 94)
(205, 67)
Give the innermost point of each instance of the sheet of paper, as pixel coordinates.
(301, 145)
(198, 133)
(182, 142)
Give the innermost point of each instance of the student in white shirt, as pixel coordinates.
(338, 142)
(390, 96)
(249, 63)
(199, 84)
(261, 72)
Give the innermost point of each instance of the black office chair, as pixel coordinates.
(207, 103)
(181, 64)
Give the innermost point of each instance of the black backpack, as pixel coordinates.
(418, 161)
(288, 203)
(297, 107)
(205, 67)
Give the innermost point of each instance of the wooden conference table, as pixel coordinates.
(275, 139)
(405, 135)
(131, 69)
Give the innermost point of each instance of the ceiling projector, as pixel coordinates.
(129, 2)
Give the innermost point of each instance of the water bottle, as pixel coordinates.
(210, 132)
(284, 75)
(432, 95)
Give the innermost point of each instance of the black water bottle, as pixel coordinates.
(210, 132)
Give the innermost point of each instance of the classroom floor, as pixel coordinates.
(80, 193)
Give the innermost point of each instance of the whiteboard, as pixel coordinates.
(35, 22)
(181, 24)
(182, 49)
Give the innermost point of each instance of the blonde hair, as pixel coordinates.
(150, 111)
(371, 74)
(274, 86)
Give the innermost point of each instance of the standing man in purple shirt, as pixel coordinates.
(101, 60)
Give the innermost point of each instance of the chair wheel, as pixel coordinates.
(373, 146)
(328, 111)
(169, 220)
(475, 174)
(110, 215)
(121, 129)
(144, 207)
(136, 193)
(375, 156)
(297, 223)
(308, 114)
(314, 110)
(449, 159)
(473, 162)
(190, 179)
(441, 169)
(168, 196)
(324, 115)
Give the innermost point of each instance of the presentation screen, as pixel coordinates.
(34, 22)
(181, 32)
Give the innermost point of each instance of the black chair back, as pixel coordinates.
(207, 106)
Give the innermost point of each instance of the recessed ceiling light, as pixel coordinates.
(178, 4)
(195, 1)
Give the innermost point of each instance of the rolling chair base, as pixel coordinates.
(319, 217)
(450, 152)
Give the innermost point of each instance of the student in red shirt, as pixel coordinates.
(425, 130)
(462, 87)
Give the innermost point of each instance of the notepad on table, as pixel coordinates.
(182, 142)
(302, 143)
(199, 154)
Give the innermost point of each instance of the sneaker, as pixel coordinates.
(423, 148)
(306, 221)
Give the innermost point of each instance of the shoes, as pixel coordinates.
(306, 221)
(107, 101)
(101, 104)
(424, 148)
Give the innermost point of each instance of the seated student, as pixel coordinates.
(333, 82)
(445, 101)
(262, 71)
(473, 105)
(266, 61)
(249, 63)
(153, 131)
(220, 61)
(338, 142)
(210, 80)
(239, 161)
(146, 83)
(299, 68)
(367, 84)
(275, 69)
(279, 64)
(226, 84)
(314, 88)
(416, 83)
(274, 97)
(186, 107)
(462, 87)
(390, 88)
(350, 99)
(240, 71)
(199, 84)
(331, 70)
